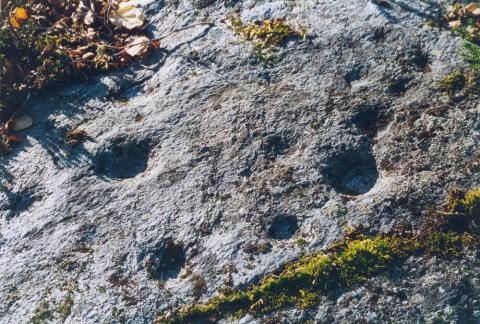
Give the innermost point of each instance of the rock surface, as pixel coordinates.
(202, 152)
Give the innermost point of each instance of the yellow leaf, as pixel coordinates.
(20, 15)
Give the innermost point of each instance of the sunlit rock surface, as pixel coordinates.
(203, 149)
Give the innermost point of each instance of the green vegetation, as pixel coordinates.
(465, 21)
(301, 242)
(458, 81)
(453, 82)
(29, 62)
(65, 308)
(302, 283)
(266, 35)
(348, 263)
(471, 54)
(468, 204)
(257, 248)
(42, 313)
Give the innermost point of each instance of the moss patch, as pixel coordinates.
(348, 263)
(266, 33)
(302, 283)
(453, 82)
(65, 308)
(468, 204)
(471, 54)
(42, 314)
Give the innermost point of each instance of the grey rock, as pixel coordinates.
(189, 158)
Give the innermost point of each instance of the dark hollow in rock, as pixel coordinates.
(369, 117)
(352, 172)
(19, 202)
(354, 74)
(166, 262)
(418, 58)
(365, 116)
(399, 86)
(283, 227)
(273, 146)
(201, 4)
(123, 158)
(379, 33)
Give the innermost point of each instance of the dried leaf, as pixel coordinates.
(455, 24)
(472, 9)
(155, 43)
(472, 30)
(14, 138)
(88, 56)
(91, 34)
(20, 16)
(138, 46)
(89, 18)
(128, 16)
(22, 122)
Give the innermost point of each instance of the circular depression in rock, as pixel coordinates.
(352, 172)
(123, 158)
(166, 262)
(365, 116)
(283, 227)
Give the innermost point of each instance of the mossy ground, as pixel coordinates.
(348, 263)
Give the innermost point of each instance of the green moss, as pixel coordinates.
(453, 82)
(348, 263)
(302, 283)
(469, 204)
(42, 313)
(266, 36)
(463, 211)
(257, 248)
(449, 244)
(266, 33)
(471, 54)
(301, 242)
(65, 308)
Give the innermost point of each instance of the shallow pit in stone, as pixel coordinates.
(283, 227)
(365, 116)
(352, 171)
(122, 158)
(166, 262)
(18, 202)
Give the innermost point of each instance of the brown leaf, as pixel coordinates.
(472, 9)
(14, 138)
